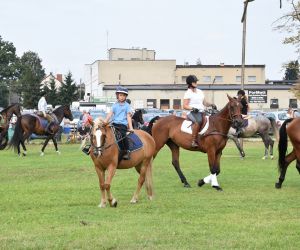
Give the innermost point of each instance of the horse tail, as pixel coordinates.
(274, 127)
(18, 135)
(148, 179)
(282, 144)
(148, 128)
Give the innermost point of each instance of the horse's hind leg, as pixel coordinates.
(141, 169)
(238, 145)
(175, 162)
(55, 145)
(266, 143)
(298, 166)
(44, 146)
(288, 159)
(271, 143)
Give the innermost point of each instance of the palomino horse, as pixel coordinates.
(32, 123)
(105, 155)
(167, 130)
(257, 125)
(6, 115)
(293, 132)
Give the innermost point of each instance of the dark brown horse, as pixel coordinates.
(6, 115)
(167, 130)
(291, 131)
(32, 123)
(137, 119)
(105, 155)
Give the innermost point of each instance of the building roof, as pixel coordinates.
(221, 66)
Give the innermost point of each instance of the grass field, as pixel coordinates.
(51, 202)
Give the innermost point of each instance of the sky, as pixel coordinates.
(66, 34)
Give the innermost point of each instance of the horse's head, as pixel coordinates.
(98, 137)
(138, 116)
(235, 114)
(67, 112)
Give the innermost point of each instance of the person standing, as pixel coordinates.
(42, 108)
(244, 101)
(121, 119)
(194, 101)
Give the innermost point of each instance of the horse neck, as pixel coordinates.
(59, 113)
(223, 120)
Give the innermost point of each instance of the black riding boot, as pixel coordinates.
(195, 131)
(49, 128)
(126, 155)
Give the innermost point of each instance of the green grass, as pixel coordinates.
(51, 202)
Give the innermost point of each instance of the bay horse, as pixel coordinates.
(292, 131)
(32, 123)
(167, 130)
(6, 115)
(104, 152)
(260, 125)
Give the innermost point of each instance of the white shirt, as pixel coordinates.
(42, 105)
(196, 98)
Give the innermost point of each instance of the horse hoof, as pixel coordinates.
(271, 157)
(23, 154)
(186, 185)
(277, 185)
(102, 205)
(217, 188)
(133, 201)
(150, 198)
(42, 154)
(242, 158)
(114, 203)
(264, 158)
(58, 152)
(201, 183)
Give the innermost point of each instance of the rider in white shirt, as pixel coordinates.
(42, 108)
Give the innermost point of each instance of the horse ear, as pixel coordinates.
(229, 97)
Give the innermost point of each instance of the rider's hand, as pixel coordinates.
(214, 106)
(195, 110)
(130, 130)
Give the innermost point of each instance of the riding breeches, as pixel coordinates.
(123, 144)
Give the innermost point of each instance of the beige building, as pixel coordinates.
(161, 83)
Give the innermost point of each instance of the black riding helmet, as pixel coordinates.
(241, 92)
(190, 79)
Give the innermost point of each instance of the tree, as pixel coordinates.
(9, 70)
(290, 23)
(292, 71)
(68, 91)
(32, 73)
(52, 93)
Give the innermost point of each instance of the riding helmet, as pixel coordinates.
(241, 92)
(190, 79)
(121, 89)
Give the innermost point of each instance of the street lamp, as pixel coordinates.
(244, 21)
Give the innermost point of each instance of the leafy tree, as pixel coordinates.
(292, 71)
(68, 90)
(32, 73)
(290, 23)
(8, 70)
(52, 93)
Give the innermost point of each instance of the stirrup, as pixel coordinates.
(126, 156)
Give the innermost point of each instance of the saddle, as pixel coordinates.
(186, 126)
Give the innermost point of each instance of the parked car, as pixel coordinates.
(147, 117)
(279, 116)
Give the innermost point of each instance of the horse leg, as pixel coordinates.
(288, 159)
(266, 143)
(238, 145)
(111, 172)
(298, 166)
(101, 176)
(55, 145)
(214, 164)
(44, 146)
(142, 171)
(175, 162)
(271, 143)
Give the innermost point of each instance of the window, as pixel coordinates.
(274, 104)
(164, 103)
(218, 78)
(251, 78)
(177, 104)
(238, 78)
(151, 103)
(293, 103)
(206, 78)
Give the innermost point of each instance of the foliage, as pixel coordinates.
(68, 91)
(51, 203)
(8, 69)
(292, 71)
(32, 73)
(51, 93)
(290, 23)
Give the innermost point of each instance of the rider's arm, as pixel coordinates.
(129, 121)
(186, 104)
(108, 116)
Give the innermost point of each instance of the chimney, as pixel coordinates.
(59, 77)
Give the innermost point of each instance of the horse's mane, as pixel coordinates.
(5, 110)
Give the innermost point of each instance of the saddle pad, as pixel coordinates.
(186, 127)
(42, 121)
(134, 142)
(35, 136)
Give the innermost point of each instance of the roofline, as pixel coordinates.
(221, 66)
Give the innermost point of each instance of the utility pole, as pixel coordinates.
(244, 21)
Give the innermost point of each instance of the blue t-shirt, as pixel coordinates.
(120, 111)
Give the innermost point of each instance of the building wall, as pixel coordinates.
(136, 72)
(131, 54)
(207, 73)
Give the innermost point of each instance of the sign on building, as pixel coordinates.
(257, 96)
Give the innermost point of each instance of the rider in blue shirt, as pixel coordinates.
(121, 118)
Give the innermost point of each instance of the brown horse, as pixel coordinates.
(167, 130)
(32, 123)
(105, 155)
(293, 132)
(6, 115)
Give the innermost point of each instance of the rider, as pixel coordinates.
(245, 108)
(42, 108)
(121, 118)
(194, 101)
